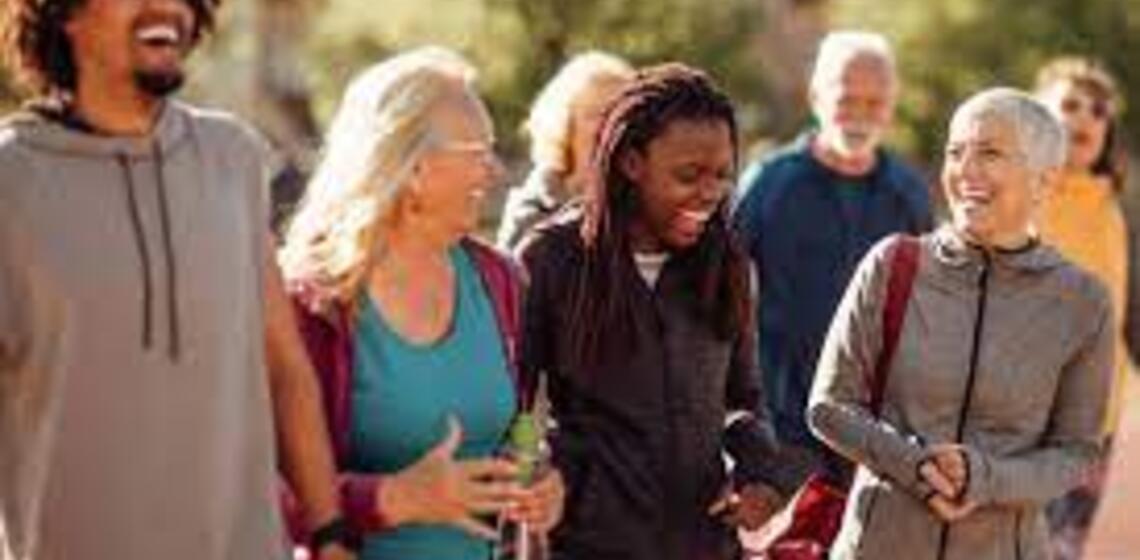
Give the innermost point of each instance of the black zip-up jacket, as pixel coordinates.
(641, 439)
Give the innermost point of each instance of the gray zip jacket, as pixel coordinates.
(1008, 353)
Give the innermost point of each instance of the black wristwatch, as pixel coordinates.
(336, 531)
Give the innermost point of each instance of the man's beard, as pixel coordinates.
(159, 84)
(858, 141)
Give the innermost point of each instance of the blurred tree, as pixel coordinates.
(950, 48)
(518, 44)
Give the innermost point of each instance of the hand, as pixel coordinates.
(946, 470)
(438, 489)
(748, 507)
(948, 510)
(541, 505)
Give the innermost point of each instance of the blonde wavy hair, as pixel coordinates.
(379, 133)
(549, 124)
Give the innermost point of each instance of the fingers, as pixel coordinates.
(541, 504)
(725, 505)
(447, 446)
(488, 469)
(491, 497)
(948, 510)
(937, 479)
(476, 528)
(951, 461)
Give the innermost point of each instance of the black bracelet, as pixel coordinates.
(336, 531)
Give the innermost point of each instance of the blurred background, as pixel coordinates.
(283, 63)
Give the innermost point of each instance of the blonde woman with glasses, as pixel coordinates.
(410, 321)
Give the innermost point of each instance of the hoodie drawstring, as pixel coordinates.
(174, 341)
(140, 243)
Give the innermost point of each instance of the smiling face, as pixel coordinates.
(455, 175)
(855, 108)
(681, 178)
(990, 186)
(144, 42)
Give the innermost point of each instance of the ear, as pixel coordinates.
(1046, 180)
(633, 165)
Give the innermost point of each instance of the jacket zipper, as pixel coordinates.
(971, 378)
(1017, 536)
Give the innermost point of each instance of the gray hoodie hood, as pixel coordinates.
(172, 132)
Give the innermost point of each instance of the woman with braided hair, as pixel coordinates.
(639, 314)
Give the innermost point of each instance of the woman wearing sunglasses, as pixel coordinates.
(1081, 216)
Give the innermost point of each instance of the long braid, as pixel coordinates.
(600, 301)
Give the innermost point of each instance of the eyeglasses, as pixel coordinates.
(473, 147)
(1098, 108)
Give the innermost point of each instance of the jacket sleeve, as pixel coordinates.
(1073, 441)
(839, 410)
(523, 210)
(749, 436)
(358, 492)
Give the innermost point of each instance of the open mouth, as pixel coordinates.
(691, 223)
(976, 199)
(160, 35)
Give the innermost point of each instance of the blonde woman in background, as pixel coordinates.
(410, 322)
(562, 125)
(1081, 216)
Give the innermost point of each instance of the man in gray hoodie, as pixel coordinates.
(146, 344)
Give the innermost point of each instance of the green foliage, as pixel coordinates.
(519, 44)
(950, 48)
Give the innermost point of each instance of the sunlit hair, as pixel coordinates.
(549, 124)
(1091, 77)
(37, 49)
(379, 133)
(1040, 135)
(839, 48)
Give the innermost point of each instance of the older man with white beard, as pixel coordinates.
(807, 214)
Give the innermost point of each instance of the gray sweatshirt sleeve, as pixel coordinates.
(839, 405)
(1073, 441)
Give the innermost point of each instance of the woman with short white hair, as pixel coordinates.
(562, 125)
(994, 400)
(412, 323)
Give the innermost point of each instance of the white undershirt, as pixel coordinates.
(649, 266)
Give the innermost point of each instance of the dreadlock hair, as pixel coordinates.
(715, 267)
(35, 45)
(1094, 79)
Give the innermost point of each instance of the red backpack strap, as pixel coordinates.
(903, 267)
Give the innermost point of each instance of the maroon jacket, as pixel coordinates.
(329, 335)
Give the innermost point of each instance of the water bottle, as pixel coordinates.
(526, 445)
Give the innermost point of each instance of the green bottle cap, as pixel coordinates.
(525, 434)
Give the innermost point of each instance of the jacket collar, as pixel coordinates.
(952, 249)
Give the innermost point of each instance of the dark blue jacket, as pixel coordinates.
(789, 214)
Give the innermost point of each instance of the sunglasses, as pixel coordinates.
(1098, 108)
